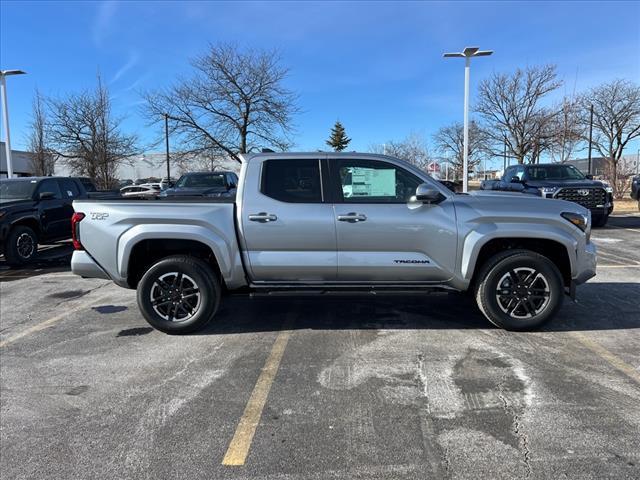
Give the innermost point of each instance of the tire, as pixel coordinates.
(508, 311)
(21, 246)
(600, 220)
(166, 281)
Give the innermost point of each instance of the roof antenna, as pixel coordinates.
(267, 150)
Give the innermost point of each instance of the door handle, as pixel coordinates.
(352, 217)
(262, 217)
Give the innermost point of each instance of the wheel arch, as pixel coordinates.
(558, 250)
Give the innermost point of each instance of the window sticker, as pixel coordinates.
(369, 182)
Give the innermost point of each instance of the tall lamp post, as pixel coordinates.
(467, 54)
(166, 137)
(5, 115)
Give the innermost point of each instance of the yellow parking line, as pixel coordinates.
(241, 442)
(49, 322)
(605, 354)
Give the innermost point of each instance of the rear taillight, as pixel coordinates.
(75, 220)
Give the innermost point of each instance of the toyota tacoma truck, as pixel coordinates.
(326, 222)
(561, 181)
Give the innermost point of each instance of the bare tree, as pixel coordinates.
(567, 131)
(449, 141)
(234, 103)
(85, 134)
(616, 122)
(511, 106)
(42, 158)
(412, 149)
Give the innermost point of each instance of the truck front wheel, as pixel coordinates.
(519, 290)
(179, 294)
(21, 246)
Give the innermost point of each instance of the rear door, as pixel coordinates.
(288, 231)
(383, 236)
(70, 191)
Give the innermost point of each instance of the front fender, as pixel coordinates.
(486, 232)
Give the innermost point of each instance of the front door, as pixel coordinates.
(382, 236)
(53, 212)
(288, 230)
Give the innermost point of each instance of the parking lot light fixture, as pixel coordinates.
(467, 54)
(5, 115)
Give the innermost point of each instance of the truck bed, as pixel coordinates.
(112, 229)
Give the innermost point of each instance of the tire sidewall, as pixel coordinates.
(490, 305)
(11, 247)
(204, 278)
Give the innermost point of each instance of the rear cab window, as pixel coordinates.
(292, 180)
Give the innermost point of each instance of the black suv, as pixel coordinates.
(560, 181)
(35, 210)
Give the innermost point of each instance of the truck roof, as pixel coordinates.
(246, 157)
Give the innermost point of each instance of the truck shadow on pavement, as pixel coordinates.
(631, 221)
(51, 259)
(600, 306)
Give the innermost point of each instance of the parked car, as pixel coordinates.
(453, 186)
(320, 222)
(635, 189)
(35, 210)
(559, 181)
(209, 184)
(145, 190)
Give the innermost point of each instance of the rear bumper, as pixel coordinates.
(82, 264)
(586, 262)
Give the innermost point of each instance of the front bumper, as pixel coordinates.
(586, 261)
(82, 264)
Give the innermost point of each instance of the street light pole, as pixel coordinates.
(166, 138)
(590, 138)
(5, 116)
(467, 53)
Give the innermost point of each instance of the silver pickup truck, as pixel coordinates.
(322, 222)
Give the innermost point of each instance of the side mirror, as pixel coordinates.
(589, 177)
(427, 194)
(46, 195)
(516, 180)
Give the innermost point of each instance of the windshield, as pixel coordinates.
(555, 172)
(11, 190)
(200, 181)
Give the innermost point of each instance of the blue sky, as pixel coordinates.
(377, 66)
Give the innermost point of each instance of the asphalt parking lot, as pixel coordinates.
(329, 387)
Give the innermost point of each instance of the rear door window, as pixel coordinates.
(292, 181)
(69, 188)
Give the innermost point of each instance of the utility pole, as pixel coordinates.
(5, 115)
(590, 138)
(504, 155)
(166, 137)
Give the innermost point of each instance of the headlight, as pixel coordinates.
(544, 191)
(579, 220)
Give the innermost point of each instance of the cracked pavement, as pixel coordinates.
(368, 387)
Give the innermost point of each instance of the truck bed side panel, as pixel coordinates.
(110, 231)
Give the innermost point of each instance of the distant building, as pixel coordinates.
(21, 162)
(599, 164)
(154, 165)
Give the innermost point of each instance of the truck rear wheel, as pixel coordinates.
(519, 290)
(179, 294)
(21, 246)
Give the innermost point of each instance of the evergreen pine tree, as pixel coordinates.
(338, 139)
